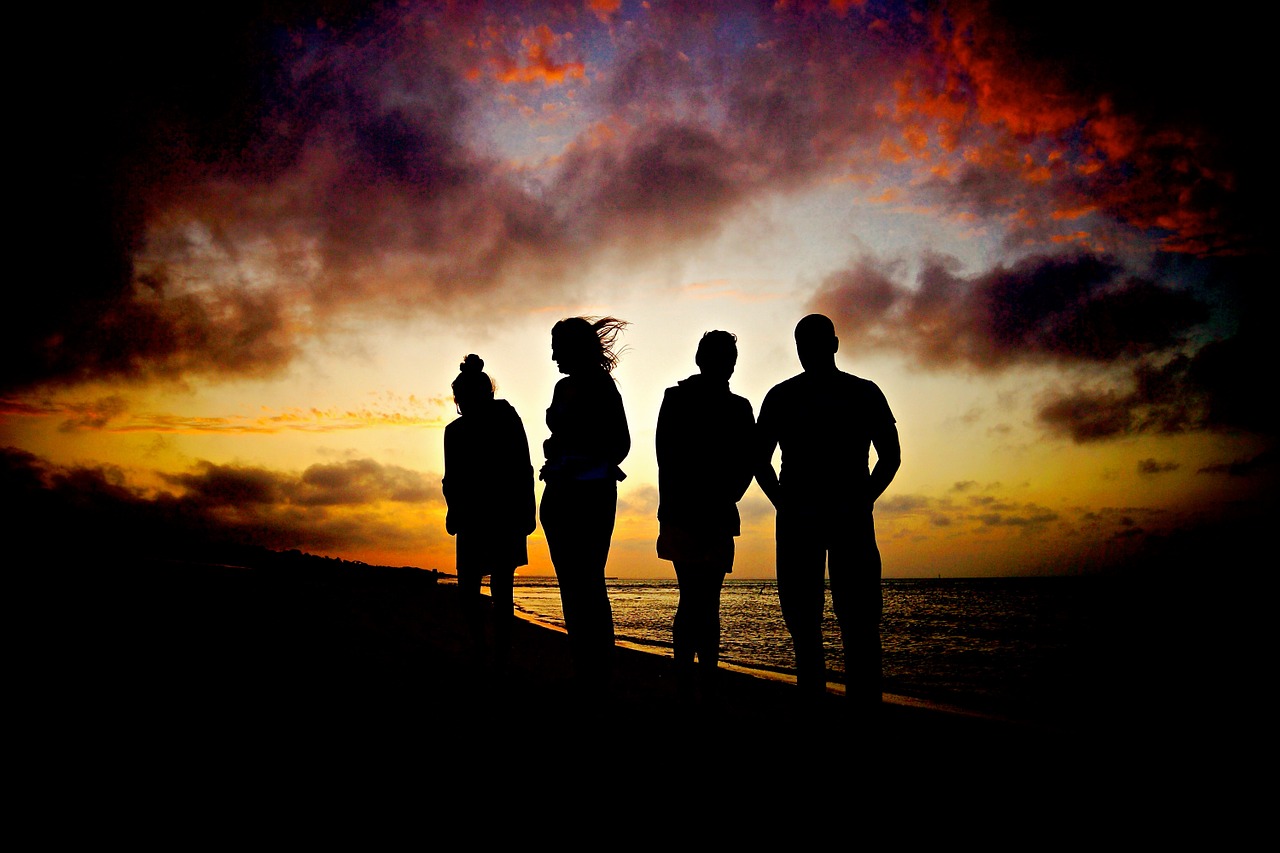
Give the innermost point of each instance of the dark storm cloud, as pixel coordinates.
(210, 504)
(1161, 399)
(1169, 129)
(696, 126)
(150, 334)
(149, 102)
(330, 150)
(364, 480)
(1070, 308)
(1074, 309)
(229, 485)
(95, 415)
(1154, 466)
(1089, 417)
(674, 179)
(293, 136)
(982, 510)
(1262, 463)
(350, 483)
(1215, 388)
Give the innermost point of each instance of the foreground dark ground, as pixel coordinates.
(185, 668)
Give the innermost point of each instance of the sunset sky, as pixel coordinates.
(261, 245)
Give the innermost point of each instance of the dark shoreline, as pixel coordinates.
(191, 657)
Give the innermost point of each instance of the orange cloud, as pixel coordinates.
(1148, 175)
(536, 63)
(893, 152)
(1074, 213)
(1006, 89)
(888, 196)
(111, 414)
(917, 139)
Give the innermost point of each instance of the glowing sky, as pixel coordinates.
(262, 246)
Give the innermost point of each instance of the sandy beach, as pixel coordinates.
(196, 664)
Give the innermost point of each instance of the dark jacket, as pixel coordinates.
(589, 433)
(488, 478)
(705, 443)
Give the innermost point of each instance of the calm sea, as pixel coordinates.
(1022, 648)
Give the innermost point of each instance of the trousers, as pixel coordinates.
(814, 543)
(577, 518)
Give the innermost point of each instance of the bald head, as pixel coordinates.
(816, 342)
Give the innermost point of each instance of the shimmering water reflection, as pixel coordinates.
(1017, 647)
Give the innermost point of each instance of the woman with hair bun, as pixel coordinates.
(488, 488)
(589, 439)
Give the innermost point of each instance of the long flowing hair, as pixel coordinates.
(594, 338)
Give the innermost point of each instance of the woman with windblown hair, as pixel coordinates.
(488, 487)
(589, 439)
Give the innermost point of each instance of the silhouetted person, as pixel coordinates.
(826, 421)
(488, 486)
(589, 439)
(706, 461)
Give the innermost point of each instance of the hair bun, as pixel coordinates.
(472, 362)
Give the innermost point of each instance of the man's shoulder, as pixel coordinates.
(775, 398)
(858, 383)
(806, 382)
(786, 386)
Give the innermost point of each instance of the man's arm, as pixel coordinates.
(888, 461)
(766, 441)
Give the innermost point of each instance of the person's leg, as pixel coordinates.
(714, 572)
(857, 599)
(501, 583)
(578, 522)
(469, 597)
(598, 512)
(711, 583)
(683, 629)
(801, 559)
(558, 526)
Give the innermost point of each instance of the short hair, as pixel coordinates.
(717, 346)
(815, 327)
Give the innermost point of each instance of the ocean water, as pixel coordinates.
(1031, 649)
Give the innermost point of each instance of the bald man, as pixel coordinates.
(826, 421)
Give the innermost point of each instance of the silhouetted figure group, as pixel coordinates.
(709, 447)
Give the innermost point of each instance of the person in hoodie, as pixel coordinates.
(488, 489)
(705, 464)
